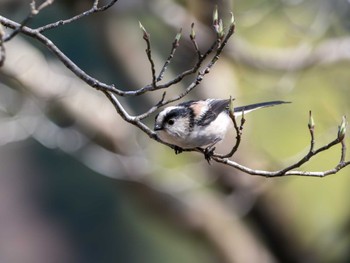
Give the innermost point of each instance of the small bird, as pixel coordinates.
(199, 123)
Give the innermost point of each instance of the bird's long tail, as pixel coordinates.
(252, 107)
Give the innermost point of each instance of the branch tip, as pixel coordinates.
(342, 129)
(95, 5)
(177, 38)
(33, 9)
(221, 32)
(231, 107)
(193, 33)
(215, 16)
(232, 19)
(217, 23)
(311, 123)
(145, 33)
(178, 35)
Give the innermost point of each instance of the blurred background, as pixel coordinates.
(78, 184)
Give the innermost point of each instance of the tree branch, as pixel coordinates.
(94, 9)
(175, 45)
(311, 153)
(146, 37)
(2, 47)
(238, 130)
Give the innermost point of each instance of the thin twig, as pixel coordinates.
(175, 80)
(290, 169)
(238, 130)
(174, 46)
(194, 42)
(45, 4)
(146, 37)
(200, 74)
(343, 152)
(36, 33)
(340, 139)
(92, 10)
(2, 54)
(311, 126)
(2, 46)
(188, 72)
(133, 120)
(33, 12)
(125, 115)
(62, 57)
(279, 173)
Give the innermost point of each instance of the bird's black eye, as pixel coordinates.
(171, 122)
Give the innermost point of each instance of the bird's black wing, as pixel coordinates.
(215, 108)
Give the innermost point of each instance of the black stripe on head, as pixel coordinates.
(215, 107)
(181, 112)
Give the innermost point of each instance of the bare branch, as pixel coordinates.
(289, 170)
(200, 74)
(194, 42)
(146, 37)
(125, 115)
(279, 173)
(171, 55)
(238, 129)
(2, 54)
(36, 10)
(175, 80)
(61, 56)
(311, 126)
(33, 12)
(36, 33)
(2, 47)
(92, 10)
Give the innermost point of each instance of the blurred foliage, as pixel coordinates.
(154, 219)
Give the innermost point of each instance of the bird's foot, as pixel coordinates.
(177, 149)
(208, 153)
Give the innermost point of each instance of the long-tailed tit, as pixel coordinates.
(201, 123)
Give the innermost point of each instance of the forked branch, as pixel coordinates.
(289, 170)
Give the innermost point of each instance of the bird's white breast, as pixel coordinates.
(202, 136)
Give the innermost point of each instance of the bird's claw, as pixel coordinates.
(177, 149)
(208, 153)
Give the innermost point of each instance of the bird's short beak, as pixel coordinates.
(158, 127)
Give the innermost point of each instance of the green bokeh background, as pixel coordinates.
(113, 220)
